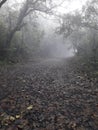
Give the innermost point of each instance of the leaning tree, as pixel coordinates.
(2, 2)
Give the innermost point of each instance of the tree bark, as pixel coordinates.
(18, 26)
(2, 2)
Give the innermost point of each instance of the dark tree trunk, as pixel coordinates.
(2, 2)
(9, 38)
(18, 26)
(94, 49)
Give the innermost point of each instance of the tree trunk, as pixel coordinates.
(18, 26)
(2, 2)
(94, 49)
(9, 38)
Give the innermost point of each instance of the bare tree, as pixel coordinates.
(28, 7)
(73, 24)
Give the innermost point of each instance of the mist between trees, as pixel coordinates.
(22, 33)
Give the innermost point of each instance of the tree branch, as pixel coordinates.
(2, 2)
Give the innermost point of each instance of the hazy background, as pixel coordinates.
(52, 44)
(38, 34)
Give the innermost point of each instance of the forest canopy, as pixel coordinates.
(21, 31)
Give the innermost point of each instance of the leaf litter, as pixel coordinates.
(48, 96)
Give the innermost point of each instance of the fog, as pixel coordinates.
(34, 31)
(52, 44)
(55, 46)
(48, 65)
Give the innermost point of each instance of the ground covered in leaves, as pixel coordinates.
(48, 95)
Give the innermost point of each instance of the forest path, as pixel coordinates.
(49, 94)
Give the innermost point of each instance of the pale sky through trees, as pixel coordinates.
(67, 6)
(49, 24)
(71, 5)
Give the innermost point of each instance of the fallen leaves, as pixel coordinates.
(49, 97)
(30, 107)
(18, 116)
(7, 120)
(11, 118)
(72, 125)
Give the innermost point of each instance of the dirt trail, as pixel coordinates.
(60, 97)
